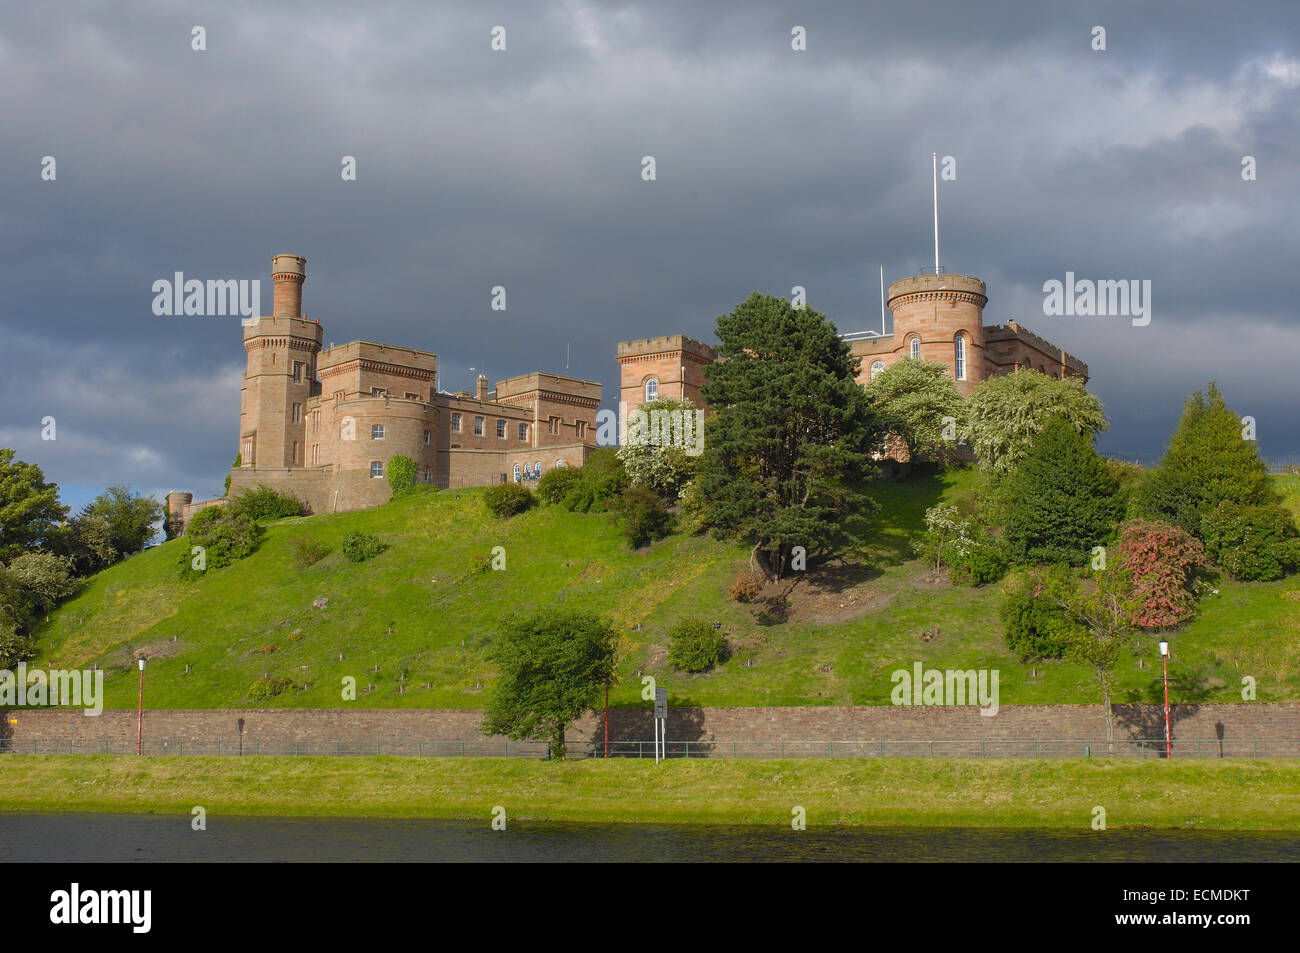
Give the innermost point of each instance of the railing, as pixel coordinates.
(495, 748)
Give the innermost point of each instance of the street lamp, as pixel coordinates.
(139, 723)
(1164, 657)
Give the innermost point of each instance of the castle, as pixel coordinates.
(324, 424)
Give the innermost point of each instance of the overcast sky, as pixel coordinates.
(522, 168)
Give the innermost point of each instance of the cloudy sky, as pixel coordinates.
(522, 168)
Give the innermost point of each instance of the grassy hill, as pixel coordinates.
(422, 616)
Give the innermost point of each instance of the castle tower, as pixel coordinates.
(671, 366)
(280, 375)
(944, 315)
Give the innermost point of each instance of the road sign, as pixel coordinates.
(661, 703)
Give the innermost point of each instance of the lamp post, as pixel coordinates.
(139, 722)
(1164, 657)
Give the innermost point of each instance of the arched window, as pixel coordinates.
(537, 469)
(914, 348)
(559, 463)
(959, 356)
(516, 473)
(652, 389)
(877, 367)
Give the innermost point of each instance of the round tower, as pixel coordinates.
(177, 500)
(288, 272)
(944, 315)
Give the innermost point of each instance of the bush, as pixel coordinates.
(601, 479)
(961, 544)
(358, 547)
(644, 516)
(14, 648)
(508, 499)
(224, 535)
(401, 476)
(695, 646)
(47, 578)
(1251, 542)
(308, 550)
(979, 563)
(266, 687)
(17, 608)
(1160, 559)
(266, 504)
(745, 588)
(556, 484)
(1035, 627)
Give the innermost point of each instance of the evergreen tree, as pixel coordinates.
(788, 445)
(29, 507)
(1208, 462)
(1062, 500)
(131, 518)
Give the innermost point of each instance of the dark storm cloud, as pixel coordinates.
(522, 169)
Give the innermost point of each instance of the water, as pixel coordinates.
(80, 838)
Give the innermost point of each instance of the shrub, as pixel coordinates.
(1034, 626)
(358, 547)
(1251, 542)
(1062, 499)
(308, 550)
(1160, 559)
(644, 516)
(16, 605)
(695, 646)
(978, 563)
(225, 536)
(401, 476)
(14, 648)
(47, 578)
(508, 499)
(961, 544)
(267, 687)
(555, 484)
(602, 478)
(745, 588)
(265, 504)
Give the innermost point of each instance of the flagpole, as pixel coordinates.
(935, 157)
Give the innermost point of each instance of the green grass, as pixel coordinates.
(1061, 794)
(418, 613)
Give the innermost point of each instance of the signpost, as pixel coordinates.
(661, 723)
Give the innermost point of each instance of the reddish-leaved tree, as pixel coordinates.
(1161, 558)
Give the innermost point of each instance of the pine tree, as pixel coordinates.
(788, 446)
(1062, 500)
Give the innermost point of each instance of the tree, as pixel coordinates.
(29, 507)
(1160, 559)
(912, 398)
(87, 542)
(1251, 542)
(47, 578)
(1103, 608)
(551, 667)
(789, 441)
(664, 468)
(1208, 461)
(1062, 499)
(1006, 412)
(131, 517)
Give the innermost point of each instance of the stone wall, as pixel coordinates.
(1223, 729)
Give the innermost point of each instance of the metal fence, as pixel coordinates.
(488, 748)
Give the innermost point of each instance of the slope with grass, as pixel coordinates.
(424, 611)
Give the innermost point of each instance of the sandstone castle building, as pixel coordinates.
(324, 423)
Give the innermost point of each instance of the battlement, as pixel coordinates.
(661, 345)
(372, 353)
(942, 285)
(1011, 330)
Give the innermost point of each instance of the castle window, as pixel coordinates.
(652, 389)
(378, 392)
(338, 396)
(478, 426)
(298, 368)
(246, 459)
(501, 429)
(377, 432)
(877, 367)
(410, 396)
(516, 473)
(559, 463)
(293, 453)
(315, 454)
(455, 423)
(959, 356)
(376, 469)
(914, 349)
(554, 424)
(297, 413)
(523, 431)
(537, 470)
(581, 427)
(428, 474)
(426, 438)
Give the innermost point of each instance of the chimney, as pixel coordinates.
(482, 389)
(288, 272)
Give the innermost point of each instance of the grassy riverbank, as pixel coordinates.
(1015, 793)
